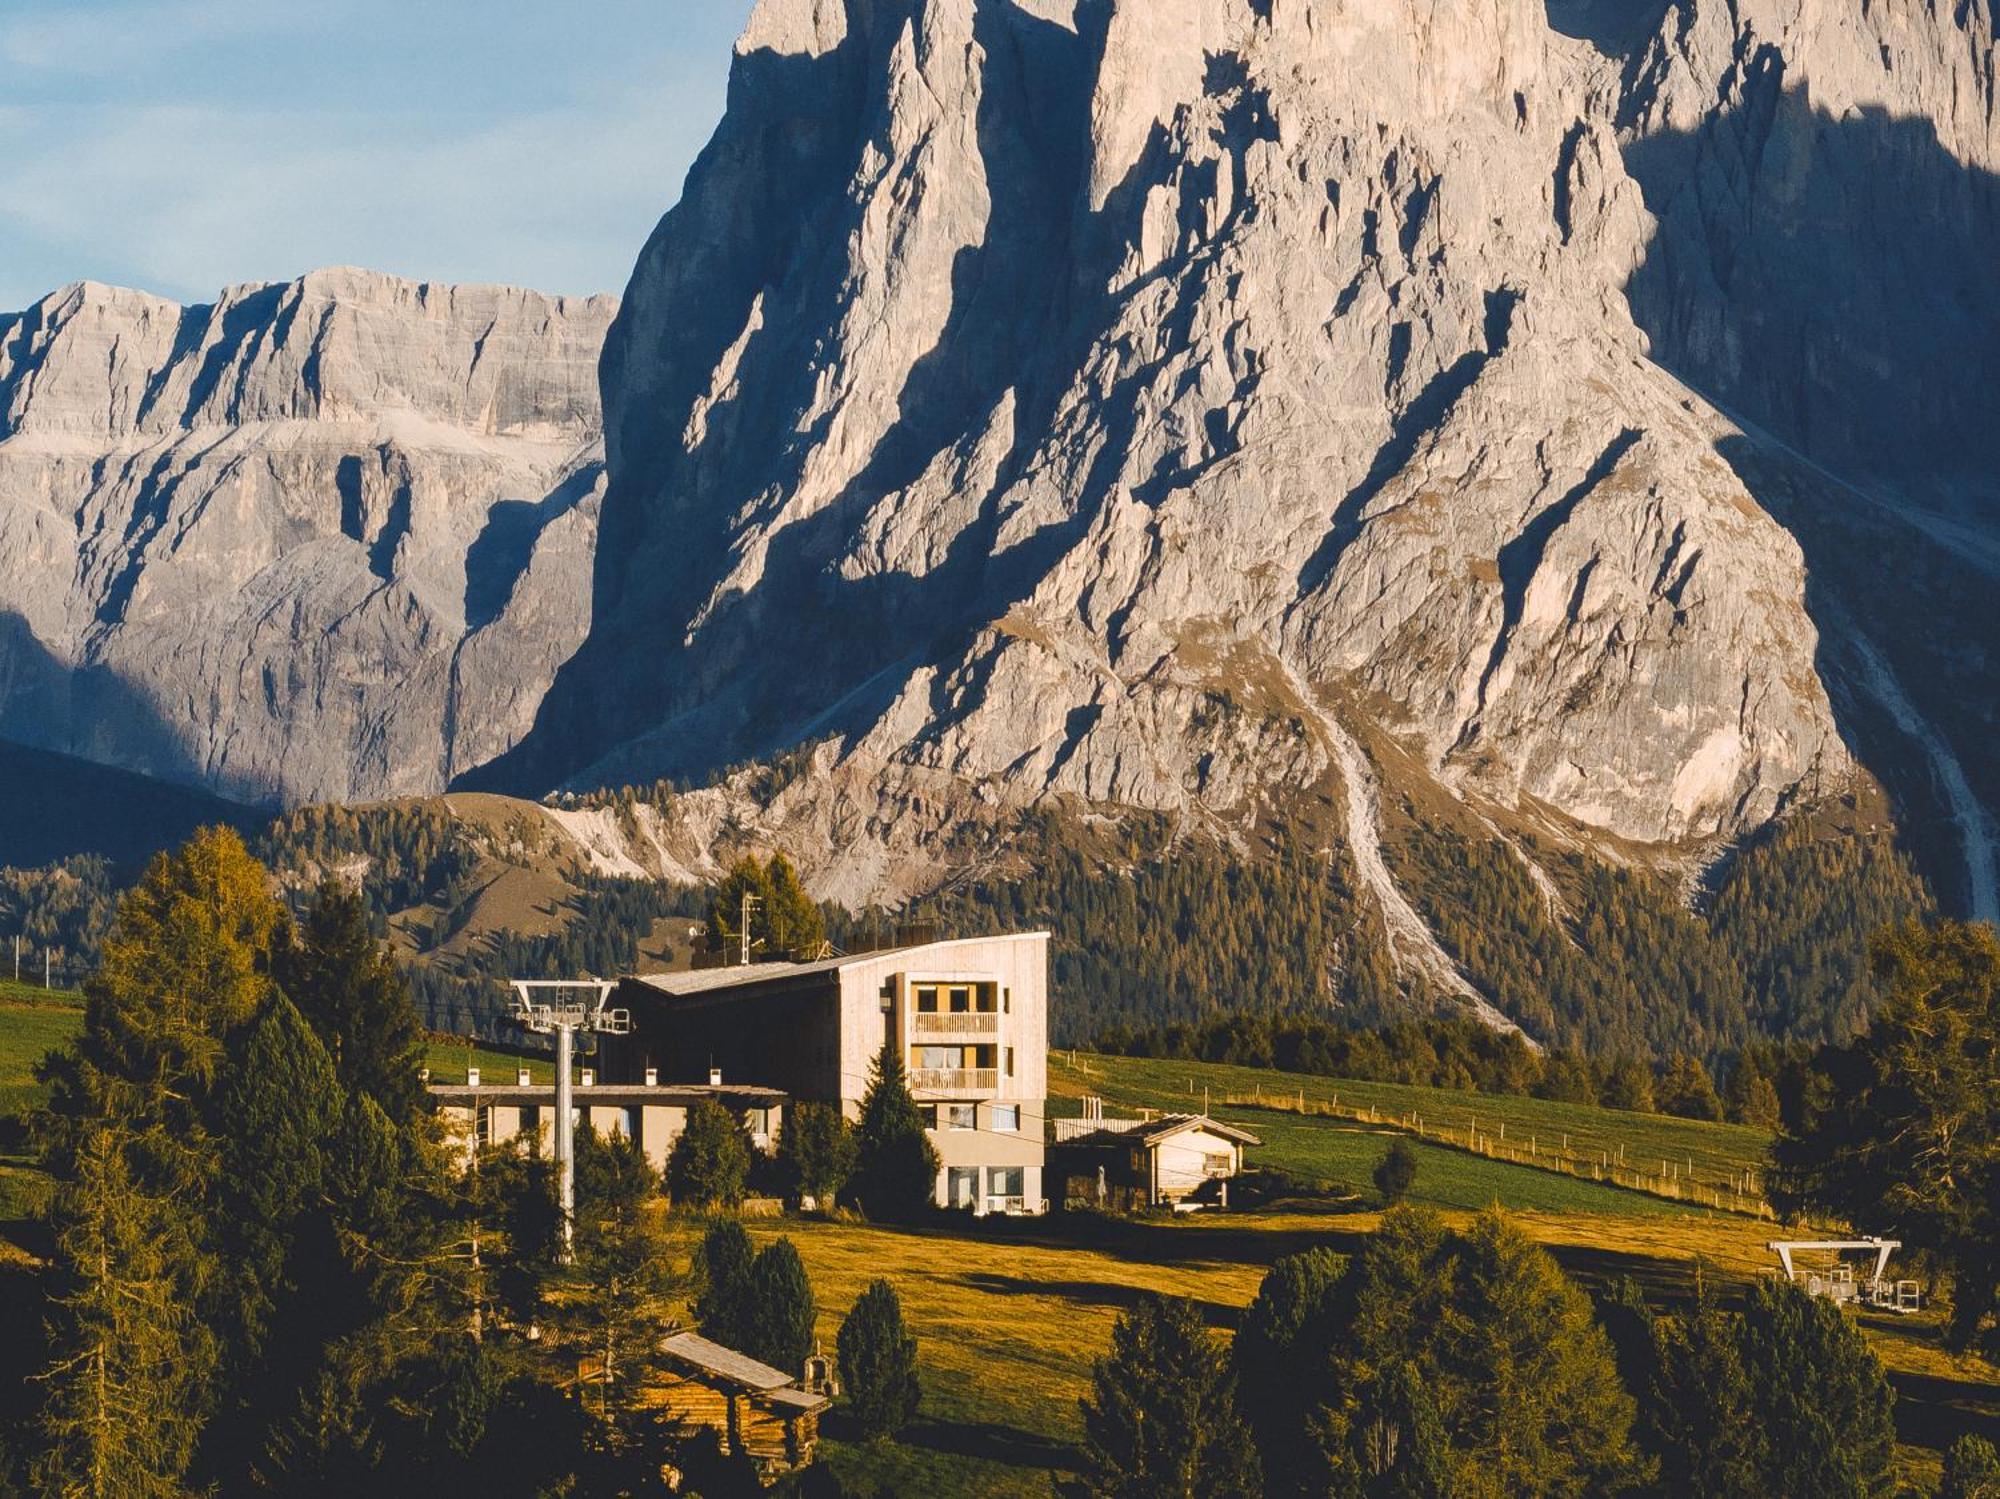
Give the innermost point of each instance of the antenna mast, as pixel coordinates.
(563, 1017)
(750, 903)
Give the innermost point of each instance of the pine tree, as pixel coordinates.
(1818, 1394)
(778, 1309)
(1693, 1406)
(356, 1000)
(816, 1150)
(1404, 1451)
(1686, 1090)
(622, 1268)
(1279, 1358)
(1971, 1470)
(896, 1166)
(878, 1363)
(709, 1164)
(722, 1266)
(1901, 1129)
(1161, 1421)
(125, 1393)
(1516, 1371)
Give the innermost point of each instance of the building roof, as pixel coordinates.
(1151, 1132)
(707, 980)
(1169, 1125)
(607, 1095)
(803, 1400)
(724, 1363)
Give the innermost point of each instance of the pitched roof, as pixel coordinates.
(1169, 1125)
(801, 1399)
(725, 1363)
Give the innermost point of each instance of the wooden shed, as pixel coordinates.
(755, 1410)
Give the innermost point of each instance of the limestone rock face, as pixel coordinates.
(1097, 398)
(324, 539)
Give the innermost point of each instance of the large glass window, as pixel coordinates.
(939, 1058)
(1007, 1117)
(1004, 1181)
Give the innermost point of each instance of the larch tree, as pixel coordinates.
(125, 1398)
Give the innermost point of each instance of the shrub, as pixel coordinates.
(1396, 1172)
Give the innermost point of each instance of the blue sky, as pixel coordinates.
(185, 145)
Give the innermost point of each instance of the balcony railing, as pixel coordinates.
(963, 1023)
(954, 1079)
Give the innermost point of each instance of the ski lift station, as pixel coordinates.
(1837, 1278)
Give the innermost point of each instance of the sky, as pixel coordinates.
(183, 146)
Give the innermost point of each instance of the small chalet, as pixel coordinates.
(1182, 1161)
(755, 1410)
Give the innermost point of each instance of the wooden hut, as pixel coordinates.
(756, 1411)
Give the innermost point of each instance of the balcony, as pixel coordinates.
(926, 1025)
(954, 1079)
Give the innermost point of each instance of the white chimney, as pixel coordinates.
(472, 1077)
(520, 1077)
(589, 1077)
(652, 1077)
(715, 1077)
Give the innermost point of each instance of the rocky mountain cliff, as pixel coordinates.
(320, 540)
(1522, 440)
(1211, 406)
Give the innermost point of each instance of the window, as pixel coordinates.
(1010, 1061)
(1216, 1165)
(1007, 1117)
(961, 1116)
(929, 1113)
(1006, 1001)
(985, 999)
(927, 999)
(961, 999)
(940, 1058)
(961, 1186)
(1005, 1181)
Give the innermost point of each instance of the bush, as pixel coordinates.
(1396, 1172)
(878, 1363)
(710, 1162)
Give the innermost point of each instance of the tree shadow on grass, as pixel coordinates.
(1104, 1293)
(992, 1441)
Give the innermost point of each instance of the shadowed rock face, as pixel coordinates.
(327, 539)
